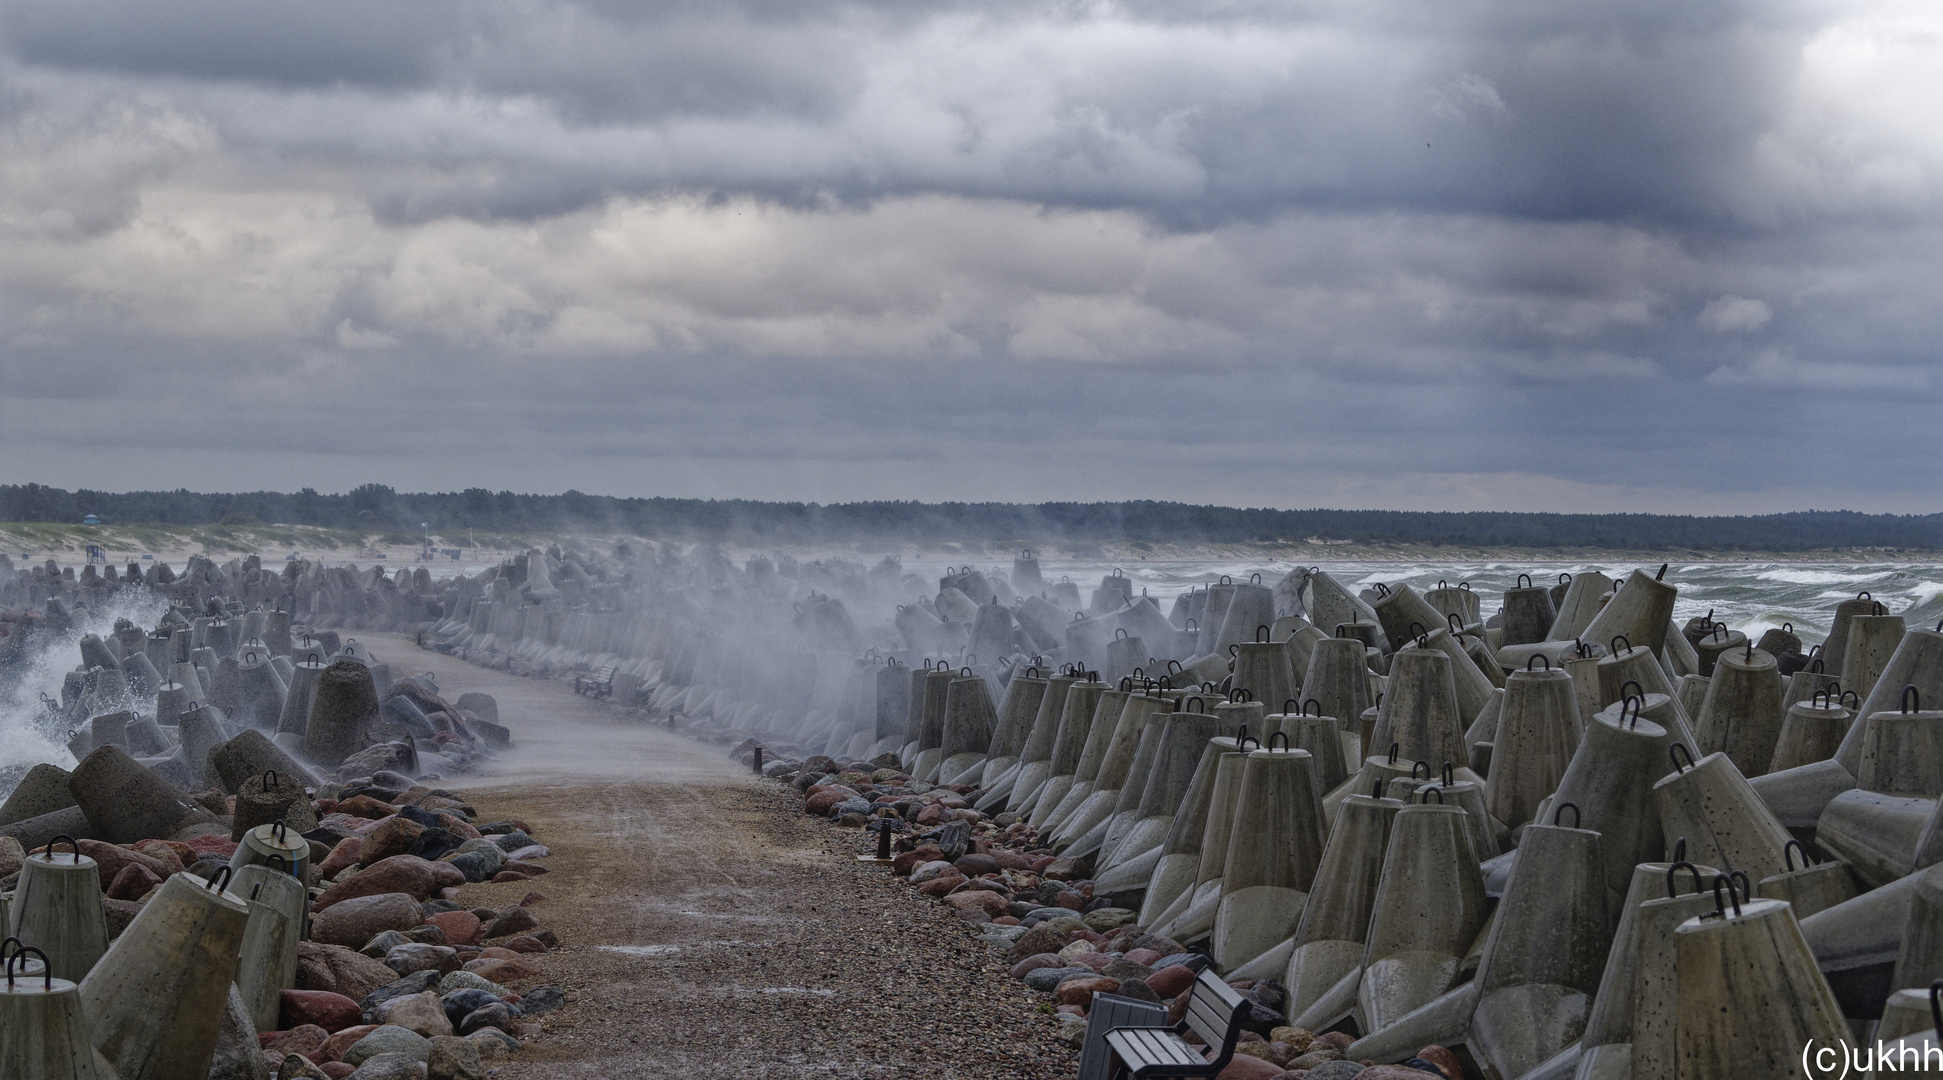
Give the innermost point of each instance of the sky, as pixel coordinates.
(1665, 255)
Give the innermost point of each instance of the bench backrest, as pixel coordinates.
(1214, 1012)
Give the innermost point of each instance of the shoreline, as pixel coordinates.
(34, 543)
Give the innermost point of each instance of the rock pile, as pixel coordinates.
(266, 817)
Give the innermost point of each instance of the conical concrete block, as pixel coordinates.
(1330, 938)
(1183, 740)
(1455, 600)
(156, 1000)
(913, 716)
(1636, 665)
(1083, 702)
(1251, 605)
(1710, 804)
(1473, 687)
(267, 957)
(1546, 952)
(931, 721)
(44, 1033)
(1419, 711)
(1873, 639)
(1125, 654)
(1639, 611)
(1191, 915)
(42, 791)
(1405, 616)
(1645, 991)
(343, 712)
(1810, 886)
(1918, 662)
(1338, 679)
(294, 716)
(1488, 834)
(126, 802)
(1679, 657)
(1747, 994)
(1907, 1012)
(250, 755)
(1796, 797)
(1719, 640)
(1036, 757)
(1333, 603)
(890, 699)
(1445, 1021)
(1835, 647)
(1429, 907)
(1609, 1025)
(969, 721)
(1265, 670)
(1176, 870)
(1322, 737)
(1018, 710)
(1528, 613)
(260, 690)
(1580, 604)
(1301, 636)
(991, 631)
(1902, 751)
(57, 905)
(1238, 716)
(1811, 731)
(1273, 852)
(1741, 715)
(1117, 753)
(1126, 804)
(1537, 736)
(1879, 836)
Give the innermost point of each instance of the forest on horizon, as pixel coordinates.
(380, 508)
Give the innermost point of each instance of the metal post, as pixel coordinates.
(757, 761)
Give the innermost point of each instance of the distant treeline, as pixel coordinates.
(376, 508)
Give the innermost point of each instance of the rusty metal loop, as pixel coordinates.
(1312, 701)
(1614, 644)
(1535, 658)
(1559, 811)
(1672, 871)
(1282, 735)
(1788, 852)
(1675, 751)
(1733, 895)
(1425, 766)
(1912, 699)
(46, 969)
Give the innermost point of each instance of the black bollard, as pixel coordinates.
(757, 761)
(883, 840)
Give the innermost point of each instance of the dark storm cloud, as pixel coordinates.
(1401, 253)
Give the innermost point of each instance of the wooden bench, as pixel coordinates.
(1214, 1013)
(596, 685)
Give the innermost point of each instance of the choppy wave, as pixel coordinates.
(1751, 596)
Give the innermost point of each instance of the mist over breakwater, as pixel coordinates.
(1752, 596)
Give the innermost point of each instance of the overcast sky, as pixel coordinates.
(1678, 255)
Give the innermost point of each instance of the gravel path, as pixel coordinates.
(711, 929)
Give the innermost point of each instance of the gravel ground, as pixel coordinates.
(711, 929)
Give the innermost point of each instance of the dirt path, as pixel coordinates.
(710, 929)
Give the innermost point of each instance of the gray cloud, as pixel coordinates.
(1640, 255)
